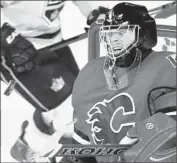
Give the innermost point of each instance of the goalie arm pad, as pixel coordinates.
(156, 140)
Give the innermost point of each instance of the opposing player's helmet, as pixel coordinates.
(127, 32)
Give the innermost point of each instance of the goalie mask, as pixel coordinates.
(127, 32)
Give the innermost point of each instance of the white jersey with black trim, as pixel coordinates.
(35, 18)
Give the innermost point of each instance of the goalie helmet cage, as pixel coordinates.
(163, 31)
(167, 32)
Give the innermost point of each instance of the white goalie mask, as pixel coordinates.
(118, 41)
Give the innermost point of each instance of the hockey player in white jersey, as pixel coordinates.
(45, 80)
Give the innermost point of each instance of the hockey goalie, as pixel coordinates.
(123, 98)
(127, 97)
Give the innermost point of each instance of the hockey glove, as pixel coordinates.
(93, 16)
(19, 54)
(157, 140)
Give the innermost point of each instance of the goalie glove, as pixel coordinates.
(17, 52)
(156, 140)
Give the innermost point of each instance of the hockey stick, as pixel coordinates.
(163, 7)
(87, 150)
(54, 149)
(52, 143)
(64, 43)
(166, 31)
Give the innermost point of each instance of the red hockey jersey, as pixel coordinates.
(104, 115)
